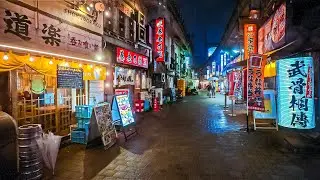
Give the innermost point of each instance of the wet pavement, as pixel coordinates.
(192, 139)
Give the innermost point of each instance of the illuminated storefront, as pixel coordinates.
(36, 47)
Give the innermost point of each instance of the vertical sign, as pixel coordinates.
(238, 91)
(221, 62)
(213, 68)
(250, 40)
(296, 93)
(159, 44)
(255, 83)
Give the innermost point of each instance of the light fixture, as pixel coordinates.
(5, 57)
(50, 62)
(66, 64)
(91, 5)
(108, 73)
(50, 54)
(91, 66)
(164, 6)
(88, 8)
(31, 59)
(236, 51)
(107, 85)
(107, 13)
(80, 65)
(160, 3)
(99, 57)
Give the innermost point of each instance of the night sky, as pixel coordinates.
(202, 16)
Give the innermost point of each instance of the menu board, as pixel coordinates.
(124, 109)
(107, 131)
(69, 77)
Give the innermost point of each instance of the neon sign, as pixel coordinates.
(296, 93)
(159, 44)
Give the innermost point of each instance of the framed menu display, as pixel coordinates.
(101, 125)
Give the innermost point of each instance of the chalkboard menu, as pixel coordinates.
(69, 77)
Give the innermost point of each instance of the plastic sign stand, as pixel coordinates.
(122, 115)
(269, 114)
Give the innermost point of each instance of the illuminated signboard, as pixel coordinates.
(213, 70)
(159, 44)
(296, 93)
(272, 33)
(221, 61)
(131, 58)
(250, 40)
(225, 59)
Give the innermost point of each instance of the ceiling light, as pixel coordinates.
(107, 13)
(50, 62)
(31, 59)
(91, 5)
(80, 65)
(5, 57)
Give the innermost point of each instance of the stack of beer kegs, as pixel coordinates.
(30, 158)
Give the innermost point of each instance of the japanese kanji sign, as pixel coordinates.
(295, 93)
(125, 56)
(159, 39)
(250, 36)
(255, 83)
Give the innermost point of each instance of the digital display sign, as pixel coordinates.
(296, 93)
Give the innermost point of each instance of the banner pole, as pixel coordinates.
(247, 97)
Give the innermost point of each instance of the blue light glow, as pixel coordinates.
(295, 108)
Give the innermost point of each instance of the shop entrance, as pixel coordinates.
(4, 92)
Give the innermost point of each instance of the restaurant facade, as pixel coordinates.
(41, 45)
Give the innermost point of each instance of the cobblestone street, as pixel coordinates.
(193, 139)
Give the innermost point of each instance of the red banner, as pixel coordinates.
(125, 56)
(231, 79)
(255, 83)
(309, 84)
(159, 39)
(250, 41)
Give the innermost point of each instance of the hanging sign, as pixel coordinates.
(255, 83)
(250, 40)
(296, 93)
(122, 110)
(131, 58)
(121, 91)
(69, 77)
(124, 76)
(159, 39)
(272, 33)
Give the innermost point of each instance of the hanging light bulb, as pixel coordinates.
(108, 73)
(5, 57)
(80, 65)
(91, 66)
(50, 62)
(66, 64)
(91, 5)
(31, 59)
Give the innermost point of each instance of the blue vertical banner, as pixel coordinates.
(295, 86)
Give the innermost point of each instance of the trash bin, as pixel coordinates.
(9, 163)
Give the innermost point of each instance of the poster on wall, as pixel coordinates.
(295, 87)
(159, 40)
(255, 83)
(269, 105)
(250, 41)
(272, 33)
(121, 105)
(124, 76)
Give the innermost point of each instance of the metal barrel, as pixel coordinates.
(30, 158)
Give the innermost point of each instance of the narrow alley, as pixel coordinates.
(193, 139)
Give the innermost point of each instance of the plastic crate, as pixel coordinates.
(86, 128)
(79, 136)
(82, 121)
(84, 111)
